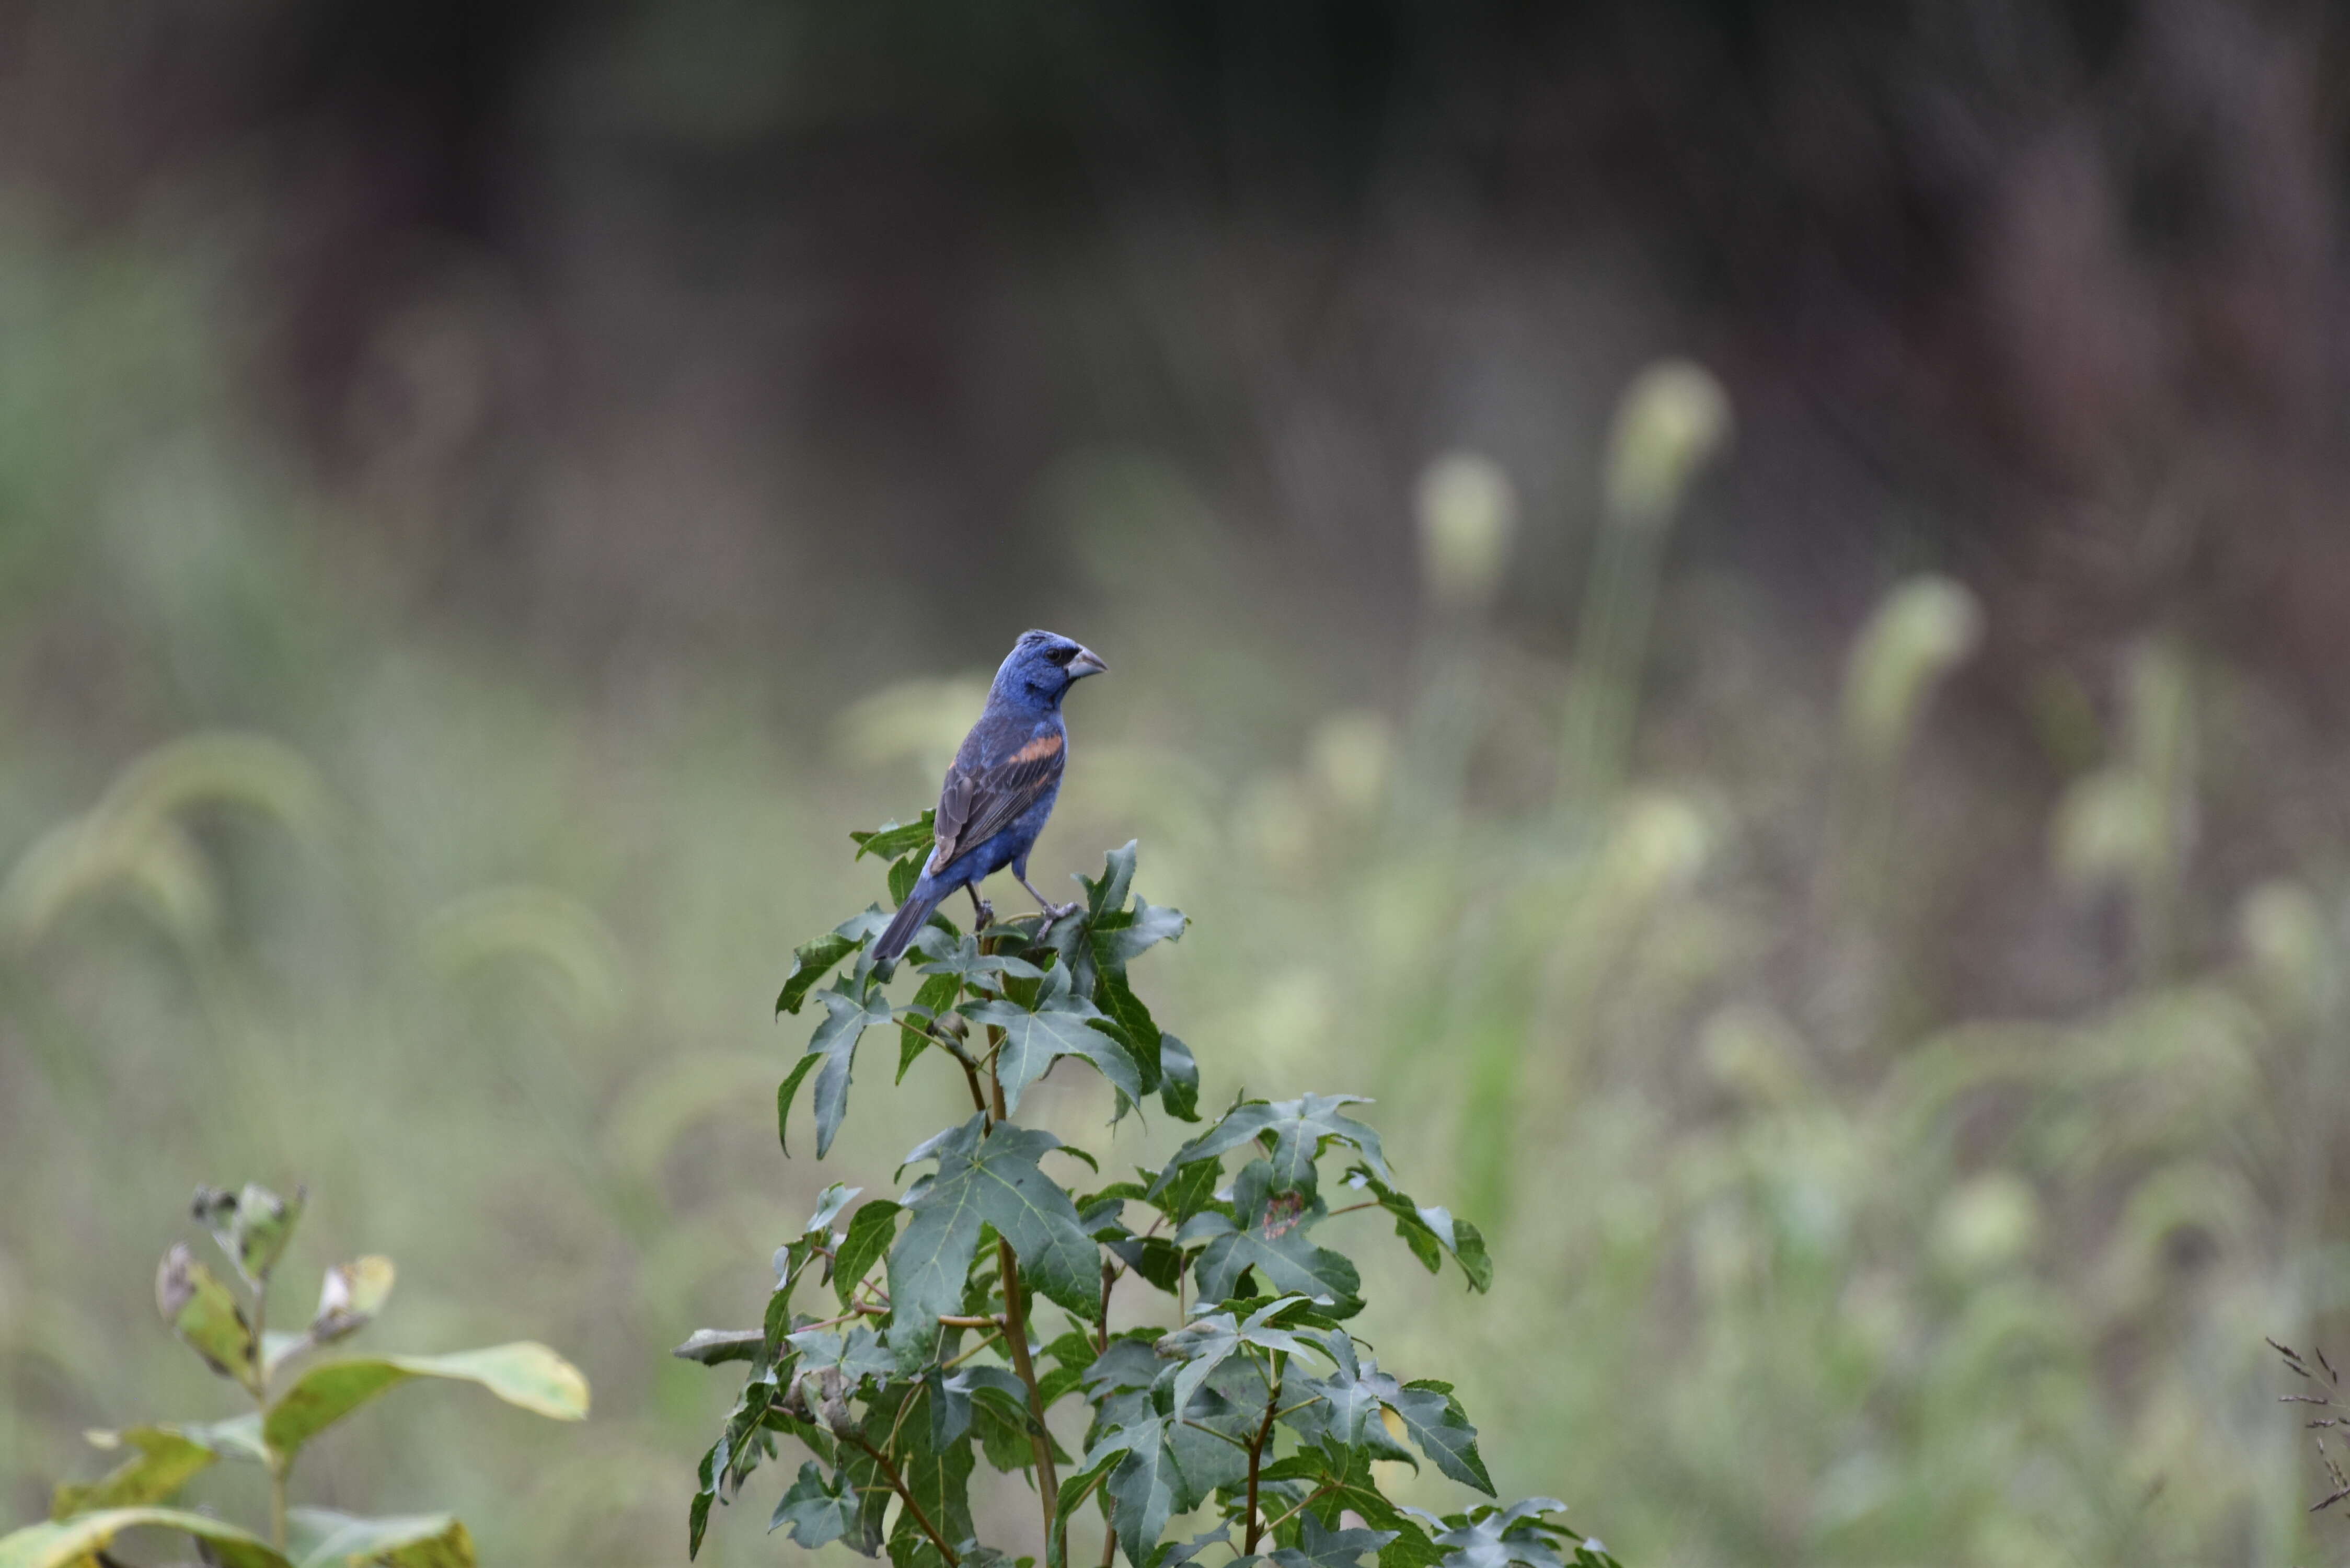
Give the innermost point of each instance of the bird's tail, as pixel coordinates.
(911, 915)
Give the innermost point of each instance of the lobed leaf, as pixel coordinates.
(1271, 1239)
(811, 961)
(1298, 1129)
(1429, 1232)
(819, 1509)
(892, 839)
(1032, 1042)
(985, 1178)
(1433, 1418)
(1493, 1537)
(1320, 1547)
(849, 1013)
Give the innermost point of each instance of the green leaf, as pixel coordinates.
(252, 1226)
(903, 875)
(1143, 1487)
(1204, 1344)
(524, 1374)
(938, 1480)
(1145, 928)
(1347, 1413)
(1298, 1128)
(855, 1351)
(937, 995)
(1271, 1239)
(1122, 1007)
(985, 1178)
(1110, 894)
(1191, 1190)
(836, 1196)
(70, 1544)
(1493, 1537)
(1344, 1484)
(163, 1460)
(1178, 1079)
(819, 1510)
(323, 1537)
(965, 962)
(811, 963)
(892, 839)
(205, 1314)
(1430, 1232)
(1433, 1418)
(784, 1093)
(849, 1015)
(1032, 1042)
(714, 1346)
(869, 1239)
(1320, 1547)
(1075, 1490)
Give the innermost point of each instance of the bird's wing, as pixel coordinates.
(980, 800)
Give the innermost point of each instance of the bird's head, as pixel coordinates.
(1046, 664)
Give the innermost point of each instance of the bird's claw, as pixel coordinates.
(1055, 913)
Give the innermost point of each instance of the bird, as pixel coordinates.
(1001, 787)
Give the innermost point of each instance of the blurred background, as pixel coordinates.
(1735, 608)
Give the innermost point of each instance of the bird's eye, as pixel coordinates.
(1062, 655)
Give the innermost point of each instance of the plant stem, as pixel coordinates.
(1015, 1337)
(279, 1464)
(277, 1468)
(906, 1495)
(1256, 1463)
(1315, 1495)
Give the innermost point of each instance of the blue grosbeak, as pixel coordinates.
(1002, 784)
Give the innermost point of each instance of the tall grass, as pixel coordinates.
(1824, 1269)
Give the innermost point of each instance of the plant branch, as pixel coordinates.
(905, 1494)
(1256, 1463)
(1024, 1366)
(278, 1464)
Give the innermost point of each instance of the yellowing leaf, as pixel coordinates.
(524, 1373)
(201, 1312)
(164, 1462)
(414, 1541)
(70, 1543)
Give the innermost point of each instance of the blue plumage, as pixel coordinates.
(1002, 784)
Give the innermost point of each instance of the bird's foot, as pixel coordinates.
(986, 913)
(1055, 913)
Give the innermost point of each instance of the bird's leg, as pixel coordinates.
(981, 908)
(1054, 913)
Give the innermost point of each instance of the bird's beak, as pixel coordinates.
(1086, 663)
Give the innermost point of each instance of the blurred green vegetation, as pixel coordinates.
(314, 879)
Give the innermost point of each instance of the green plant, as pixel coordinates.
(233, 1337)
(1255, 1403)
